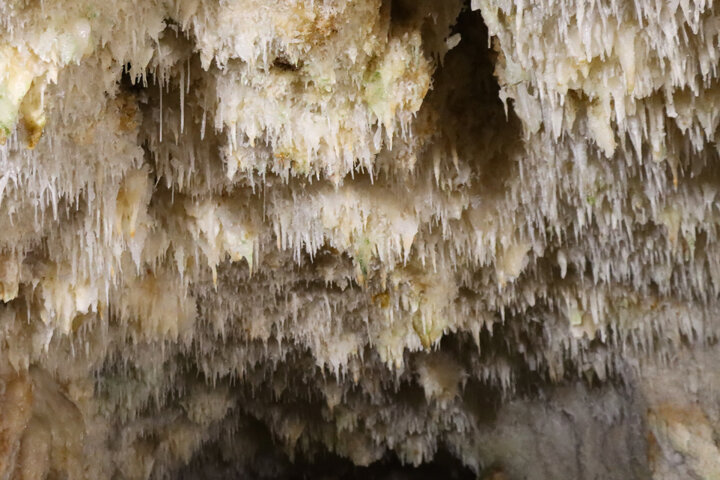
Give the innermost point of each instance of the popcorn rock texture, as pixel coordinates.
(245, 236)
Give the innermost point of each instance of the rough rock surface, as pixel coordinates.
(239, 236)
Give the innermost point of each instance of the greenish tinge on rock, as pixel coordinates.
(245, 237)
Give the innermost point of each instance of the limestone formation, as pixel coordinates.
(245, 237)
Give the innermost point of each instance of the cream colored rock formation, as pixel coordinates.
(238, 234)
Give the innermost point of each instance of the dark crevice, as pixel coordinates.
(213, 463)
(134, 84)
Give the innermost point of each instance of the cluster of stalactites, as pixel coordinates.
(217, 210)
